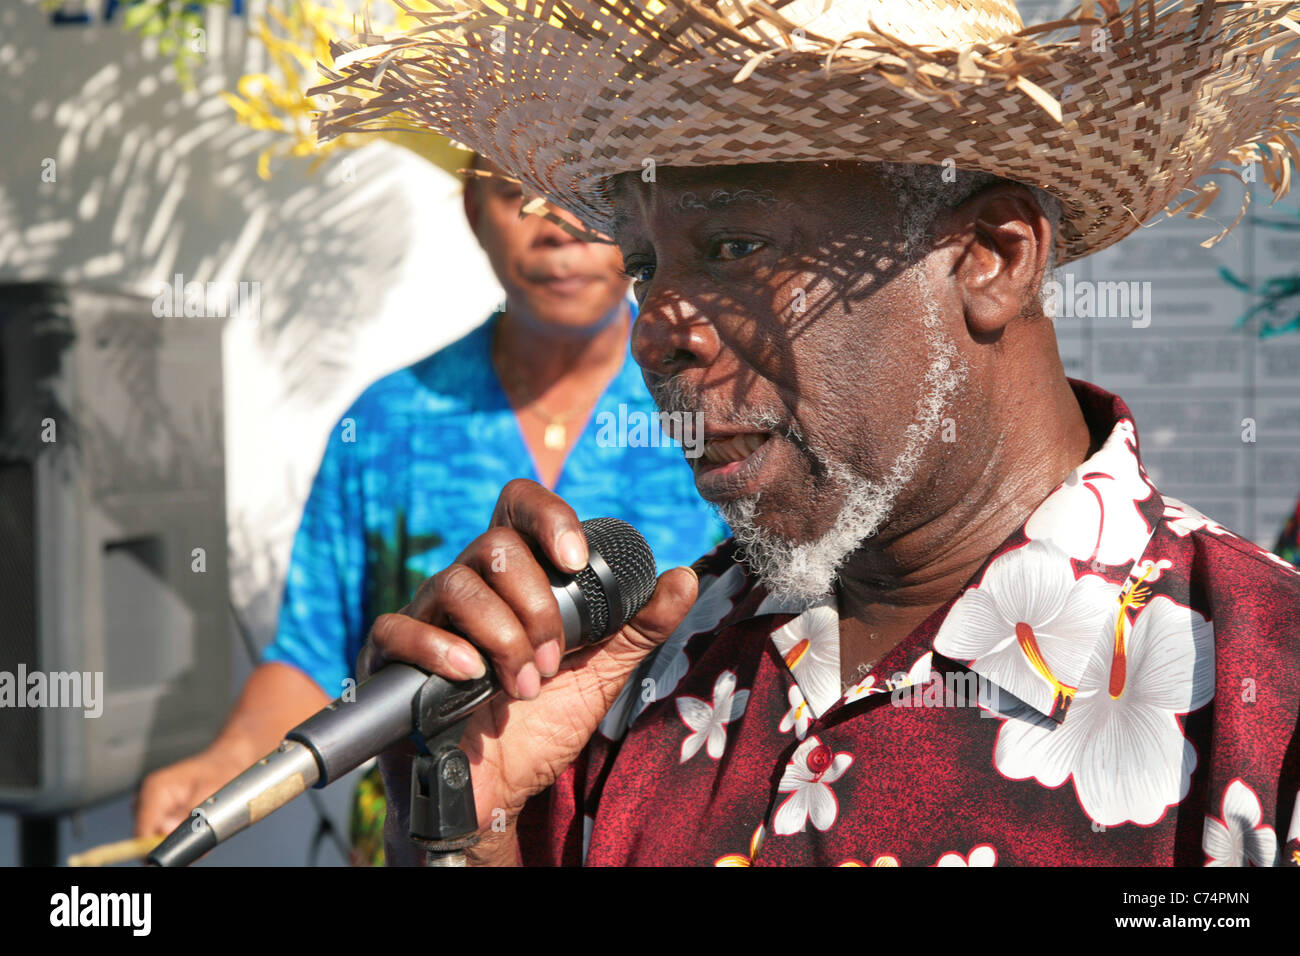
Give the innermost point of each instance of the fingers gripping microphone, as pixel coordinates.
(399, 699)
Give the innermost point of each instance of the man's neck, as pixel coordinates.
(887, 590)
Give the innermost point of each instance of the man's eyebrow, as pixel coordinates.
(694, 202)
(723, 198)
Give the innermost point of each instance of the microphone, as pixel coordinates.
(399, 698)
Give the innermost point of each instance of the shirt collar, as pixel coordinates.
(1093, 528)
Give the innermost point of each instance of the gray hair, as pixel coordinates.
(924, 194)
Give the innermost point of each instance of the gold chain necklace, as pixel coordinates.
(555, 436)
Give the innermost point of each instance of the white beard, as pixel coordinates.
(806, 573)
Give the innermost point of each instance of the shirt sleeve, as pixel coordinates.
(555, 826)
(321, 613)
(1253, 758)
(551, 826)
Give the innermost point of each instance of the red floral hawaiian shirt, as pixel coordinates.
(1119, 684)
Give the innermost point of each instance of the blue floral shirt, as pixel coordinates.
(411, 474)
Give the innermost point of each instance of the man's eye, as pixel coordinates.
(737, 248)
(638, 271)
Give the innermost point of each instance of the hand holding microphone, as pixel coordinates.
(497, 606)
(496, 599)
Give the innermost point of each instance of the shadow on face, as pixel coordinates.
(549, 277)
(778, 300)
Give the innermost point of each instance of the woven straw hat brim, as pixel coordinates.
(565, 94)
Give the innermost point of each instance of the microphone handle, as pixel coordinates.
(340, 746)
(324, 748)
(373, 724)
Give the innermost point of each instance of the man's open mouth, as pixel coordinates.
(731, 464)
(734, 448)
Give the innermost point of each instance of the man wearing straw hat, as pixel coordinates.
(957, 624)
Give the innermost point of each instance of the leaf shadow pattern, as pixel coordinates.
(148, 181)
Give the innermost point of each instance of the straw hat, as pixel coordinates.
(1116, 114)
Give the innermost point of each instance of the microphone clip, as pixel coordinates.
(444, 819)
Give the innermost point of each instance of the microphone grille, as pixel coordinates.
(632, 563)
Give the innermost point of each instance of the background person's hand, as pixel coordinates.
(168, 795)
(276, 698)
(497, 596)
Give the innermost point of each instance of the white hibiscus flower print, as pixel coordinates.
(798, 717)
(981, 855)
(810, 647)
(1182, 519)
(917, 674)
(1239, 838)
(1121, 741)
(808, 777)
(664, 671)
(1030, 626)
(1149, 571)
(1093, 515)
(708, 724)
(864, 688)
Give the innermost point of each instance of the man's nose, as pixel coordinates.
(671, 336)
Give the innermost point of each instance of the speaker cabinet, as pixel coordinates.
(113, 580)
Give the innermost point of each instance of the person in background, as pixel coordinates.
(413, 469)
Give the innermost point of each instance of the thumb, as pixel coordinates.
(673, 597)
(601, 671)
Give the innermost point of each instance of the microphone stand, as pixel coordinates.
(444, 819)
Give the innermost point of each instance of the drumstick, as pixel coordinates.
(119, 852)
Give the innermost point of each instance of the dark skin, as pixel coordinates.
(717, 287)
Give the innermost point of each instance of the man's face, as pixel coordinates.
(776, 299)
(565, 283)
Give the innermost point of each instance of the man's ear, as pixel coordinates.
(1005, 243)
